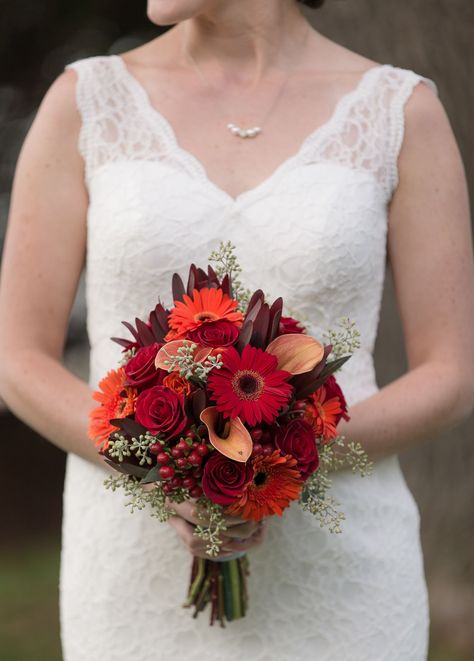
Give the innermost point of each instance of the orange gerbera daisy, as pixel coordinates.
(206, 305)
(116, 401)
(276, 482)
(323, 412)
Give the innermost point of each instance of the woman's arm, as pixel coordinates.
(42, 261)
(430, 252)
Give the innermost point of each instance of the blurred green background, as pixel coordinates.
(37, 38)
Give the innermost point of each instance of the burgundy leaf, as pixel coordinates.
(275, 316)
(260, 327)
(244, 335)
(177, 288)
(132, 330)
(145, 333)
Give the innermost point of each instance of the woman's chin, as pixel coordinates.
(170, 12)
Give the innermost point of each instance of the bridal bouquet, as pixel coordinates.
(224, 400)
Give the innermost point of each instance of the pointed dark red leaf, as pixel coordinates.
(260, 327)
(162, 317)
(192, 280)
(199, 402)
(129, 426)
(132, 329)
(128, 469)
(226, 285)
(123, 343)
(177, 287)
(274, 323)
(244, 335)
(145, 333)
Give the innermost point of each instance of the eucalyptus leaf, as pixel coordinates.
(153, 475)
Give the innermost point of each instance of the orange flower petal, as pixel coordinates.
(296, 353)
(167, 351)
(237, 445)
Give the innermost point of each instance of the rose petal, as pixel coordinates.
(238, 443)
(296, 353)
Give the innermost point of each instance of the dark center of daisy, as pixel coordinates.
(205, 316)
(259, 479)
(247, 384)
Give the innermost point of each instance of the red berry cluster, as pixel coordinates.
(262, 441)
(181, 464)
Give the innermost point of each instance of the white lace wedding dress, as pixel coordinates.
(313, 232)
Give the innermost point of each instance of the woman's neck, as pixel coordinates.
(241, 40)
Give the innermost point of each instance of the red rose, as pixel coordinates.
(221, 333)
(334, 390)
(224, 480)
(297, 439)
(161, 410)
(141, 371)
(289, 325)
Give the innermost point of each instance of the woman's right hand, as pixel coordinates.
(240, 535)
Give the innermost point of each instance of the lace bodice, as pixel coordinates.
(315, 233)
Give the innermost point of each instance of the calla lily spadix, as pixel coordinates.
(296, 353)
(237, 443)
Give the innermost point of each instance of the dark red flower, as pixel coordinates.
(224, 480)
(220, 333)
(297, 439)
(161, 411)
(333, 389)
(249, 386)
(289, 325)
(141, 371)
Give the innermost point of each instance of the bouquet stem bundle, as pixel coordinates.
(223, 584)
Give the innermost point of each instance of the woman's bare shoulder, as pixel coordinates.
(59, 107)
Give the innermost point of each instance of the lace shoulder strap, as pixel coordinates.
(399, 85)
(366, 132)
(114, 126)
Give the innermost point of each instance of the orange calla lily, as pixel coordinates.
(237, 444)
(296, 353)
(167, 351)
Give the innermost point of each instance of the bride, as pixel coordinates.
(244, 123)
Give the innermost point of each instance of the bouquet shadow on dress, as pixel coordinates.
(225, 401)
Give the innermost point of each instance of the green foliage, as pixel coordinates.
(333, 456)
(344, 339)
(226, 263)
(139, 498)
(213, 525)
(190, 369)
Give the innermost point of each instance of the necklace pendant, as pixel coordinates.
(244, 133)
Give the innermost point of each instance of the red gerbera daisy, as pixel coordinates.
(206, 305)
(326, 406)
(116, 401)
(249, 386)
(276, 482)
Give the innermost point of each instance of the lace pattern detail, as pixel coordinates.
(365, 131)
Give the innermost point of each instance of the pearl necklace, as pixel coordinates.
(235, 129)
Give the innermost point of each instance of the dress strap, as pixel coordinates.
(114, 124)
(401, 84)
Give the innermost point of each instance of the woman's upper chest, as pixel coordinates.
(286, 111)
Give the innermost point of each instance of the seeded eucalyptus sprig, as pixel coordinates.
(333, 456)
(190, 369)
(213, 524)
(344, 340)
(226, 264)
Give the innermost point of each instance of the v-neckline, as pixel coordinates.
(169, 134)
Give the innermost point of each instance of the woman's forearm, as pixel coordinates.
(51, 400)
(419, 405)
